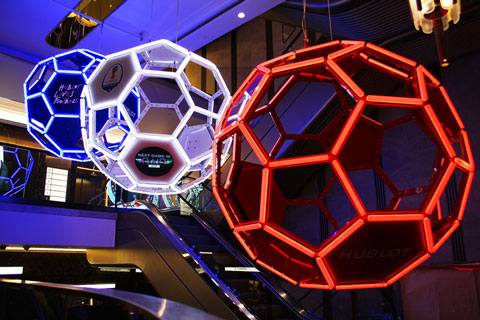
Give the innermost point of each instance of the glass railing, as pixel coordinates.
(39, 300)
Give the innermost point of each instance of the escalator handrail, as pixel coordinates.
(181, 245)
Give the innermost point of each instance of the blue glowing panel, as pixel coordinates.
(52, 101)
(15, 167)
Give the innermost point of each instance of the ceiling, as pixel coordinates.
(24, 24)
(387, 23)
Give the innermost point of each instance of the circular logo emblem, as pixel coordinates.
(113, 77)
(154, 161)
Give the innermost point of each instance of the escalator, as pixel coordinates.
(187, 260)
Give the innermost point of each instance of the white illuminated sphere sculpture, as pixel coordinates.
(168, 147)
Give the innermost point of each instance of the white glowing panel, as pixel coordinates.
(168, 147)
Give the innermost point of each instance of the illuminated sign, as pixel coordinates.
(113, 77)
(154, 161)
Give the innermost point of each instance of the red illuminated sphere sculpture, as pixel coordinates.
(386, 165)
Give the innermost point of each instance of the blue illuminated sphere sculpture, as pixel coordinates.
(52, 92)
(15, 167)
(52, 102)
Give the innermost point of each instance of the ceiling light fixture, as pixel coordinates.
(11, 271)
(81, 20)
(435, 15)
(241, 15)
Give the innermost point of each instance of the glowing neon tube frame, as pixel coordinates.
(161, 59)
(42, 117)
(24, 168)
(357, 254)
(52, 104)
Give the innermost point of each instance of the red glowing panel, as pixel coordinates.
(413, 144)
(365, 259)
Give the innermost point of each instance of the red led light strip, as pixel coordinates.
(324, 63)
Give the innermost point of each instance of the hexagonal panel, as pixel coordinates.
(111, 79)
(285, 260)
(410, 161)
(158, 121)
(63, 93)
(159, 90)
(375, 252)
(155, 163)
(196, 141)
(360, 148)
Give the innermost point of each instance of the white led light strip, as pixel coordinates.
(181, 159)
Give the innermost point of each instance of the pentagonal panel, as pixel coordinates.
(376, 74)
(39, 112)
(316, 205)
(360, 147)
(39, 76)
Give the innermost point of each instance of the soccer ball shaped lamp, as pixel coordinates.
(52, 101)
(406, 146)
(169, 147)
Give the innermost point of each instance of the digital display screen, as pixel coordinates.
(154, 161)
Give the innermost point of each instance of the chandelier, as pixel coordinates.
(435, 15)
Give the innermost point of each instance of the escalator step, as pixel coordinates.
(186, 220)
(209, 248)
(188, 229)
(268, 311)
